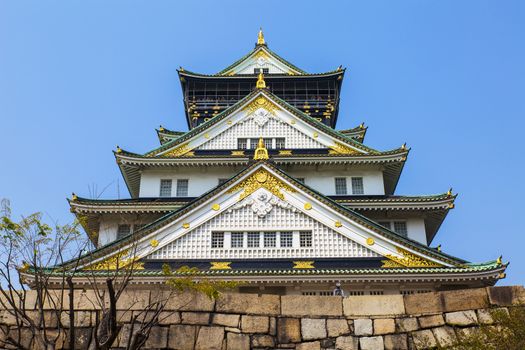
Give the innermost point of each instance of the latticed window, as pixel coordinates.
(237, 239)
(123, 230)
(264, 70)
(254, 143)
(242, 143)
(356, 292)
(268, 143)
(376, 292)
(340, 186)
(270, 239)
(385, 224)
(165, 188)
(280, 143)
(305, 238)
(400, 227)
(217, 239)
(357, 185)
(182, 188)
(253, 240)
(286, 239)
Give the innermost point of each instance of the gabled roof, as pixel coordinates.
(358, 133)
(166, 135)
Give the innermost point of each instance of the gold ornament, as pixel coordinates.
(307, 206)
(408, 260)
(261, 153)
(216, 207)
(260, 38)
(370, 241)
(342, 149)
(117, 261)
(220, 265)
(315, 135)
(261, 179)
(338, 224)
(179, 151)
(303, 265)
(285, 152)
(261, 84)
(260, 102)
(154, 243)
(186, 225)
(237, 153)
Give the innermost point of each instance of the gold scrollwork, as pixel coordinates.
(220, 265)
(179, 151)
(303, 265)
(342, 149)
(408, 260)
(260, 102)
(261, 179)
(118, 261)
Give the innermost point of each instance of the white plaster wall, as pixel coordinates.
(416, 230)
(108, 231)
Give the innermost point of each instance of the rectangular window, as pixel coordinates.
(253, 240)
(270, 239)
(253, 143)
(400, 227)
(217, 239)
(357, 185)
(305, 238)
(165, 188)
(340, 186)
(123, 230)
(182, 188)
(268, 143)
(221, 181)
(286, 239)
(280, 143)
(385, 224)
(242, 143)
(376, 292)
(237, 239)
(264, 70)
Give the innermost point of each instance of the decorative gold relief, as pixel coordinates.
(338, 224)
(261, 54)
(370, 241)
(342, 149)
(292, 121)
(408, 260)
(118, 261)
(216, 207)
(179, 151)
(261, 84)
(237, 153)
(315, 135)
(186, 225)
(207, 135)
(307, 206)
(261, 179)
(260, 37)
(285, 152)
(154, 243)
(303, 265)
(261, 153)
(229, 122)
(220, 265)
(260, 102)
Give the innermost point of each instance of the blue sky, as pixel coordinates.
(447, 77)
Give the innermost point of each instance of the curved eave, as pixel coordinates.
(357, 133)
(268, 77)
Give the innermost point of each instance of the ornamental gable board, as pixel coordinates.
(260, 59)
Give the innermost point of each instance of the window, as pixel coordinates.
(182, 188)
(221, 181)
(286, 239)
(340, 186)
(237, 239)
(123, 230)
(268, 143)
(325, 293)
(376, 292)
(253, 240)
(242, 143)
(254, 143)
(305, 238)
(165, 188)
(385, 224)
(217, 239)
(401, 228)
(264, 70)
(270, 239)
(280, 143)
(356, 292)
(357, 185)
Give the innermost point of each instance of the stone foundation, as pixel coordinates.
(246, 321)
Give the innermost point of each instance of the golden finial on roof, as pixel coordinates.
(362, 125)
(261, 84)
(161, 128)
(260, 38)
(449, 193)
(500, 260)
(74, 196)
(439, 248)
(261, 153)
(118, 149)
(404, 146)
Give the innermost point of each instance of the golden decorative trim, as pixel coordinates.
(307, 206)
(186, 225)
(370, 241)
(220, 265)
(260, 102)
(408, 260)
(237, 153)
(216, 207)
(179, 151)
(261, 179)
(154, 243)
(285, 152)
(338, 224)
(303, 265)
(390, 264)
(117, 261)
(343, 149)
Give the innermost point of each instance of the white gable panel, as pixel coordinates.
(261, 60)
(326, 243)
(253, 128)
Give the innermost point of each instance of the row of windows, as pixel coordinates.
(260, 239)
(362, 292)
(167, 184)
(261, 70)
(125, 229)
(269, 143)
(341, 187)
(399, 227)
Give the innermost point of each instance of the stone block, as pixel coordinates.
(288, 330)
(371, 343)
(262, 341)
(158, 338)
(431, 321)
(169, 317)
(255, 324)
(374, 305)
(485, 316)
(465, 299)
(465, 333)
(202, 318)
(506, 295)
(337, 327)
(226, 320)
(209, 338)
(124, 316)
(461, 318)
(188, 301)
(347, 343)
(424, 339)
(314, 345)
(236, 341)
(232, 329)
(406, 324)
(425, 303)
(384, 326)
(269, 305)
(311, 306)
(445, 336)
(327, 343)
(395, 342)
(182, 337)
(313, 328)
(363, 326)
(273, 326)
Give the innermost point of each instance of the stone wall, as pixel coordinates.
(246, 321)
